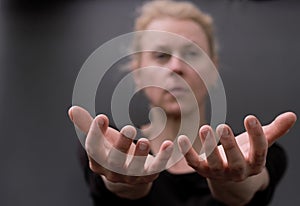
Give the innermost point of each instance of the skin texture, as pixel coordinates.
(237, 165)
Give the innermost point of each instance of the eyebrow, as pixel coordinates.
(193, 46)
(162, 47)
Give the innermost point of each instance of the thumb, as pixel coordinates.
(279, 127)
(81, 118)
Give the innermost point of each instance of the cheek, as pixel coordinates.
(154, 94)
(146, 60)
(198, 87)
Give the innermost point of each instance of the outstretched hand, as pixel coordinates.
(113, 153)
(237, 158)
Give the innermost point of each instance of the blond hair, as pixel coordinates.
(176, 9)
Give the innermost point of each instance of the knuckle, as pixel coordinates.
(122, 148)
(258, 163)
(229, 144)
(217, 169)
(94, 167)
(238, 170)
(260, 157)
(194, 164)
(199, 167)
(256, 170)
(130, 180)
(112, 177)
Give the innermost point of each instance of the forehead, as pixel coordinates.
(170, 32)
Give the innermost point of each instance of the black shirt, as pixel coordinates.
(182, 189)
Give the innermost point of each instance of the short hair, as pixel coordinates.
(183, 10)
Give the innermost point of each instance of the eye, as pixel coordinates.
(161, 56)
(191, 54)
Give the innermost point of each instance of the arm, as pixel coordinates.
(236, 170)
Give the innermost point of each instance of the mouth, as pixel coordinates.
(178, 91)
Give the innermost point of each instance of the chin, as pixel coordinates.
(176, 111)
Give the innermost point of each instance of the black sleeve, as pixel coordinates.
(276, 165)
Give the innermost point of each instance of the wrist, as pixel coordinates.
(239, 193)
(128, 191)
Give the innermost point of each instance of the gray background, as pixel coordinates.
(43, 46)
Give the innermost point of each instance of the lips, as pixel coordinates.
(178, 90)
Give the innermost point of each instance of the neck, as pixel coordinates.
(167, 127)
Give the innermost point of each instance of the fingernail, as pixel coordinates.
(225, 132)
(100, 122)
(128, 132)
(252, 123)
(143, 146)
(169, 148)
(184, 145)
(204, 132)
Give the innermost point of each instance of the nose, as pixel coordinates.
(176, 65)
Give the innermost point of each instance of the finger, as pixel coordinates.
(118, 154)
(81, 118)
(235, 159)
(142, 147)
(137, 162)
(127, 134)
(191, 156)
(95, 142)
(96, 167)
(209, 143)
(258, 143)
(103, 123)
(159, 163)
(280, 126)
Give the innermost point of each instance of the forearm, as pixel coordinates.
(239, 193)
(126, 190)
